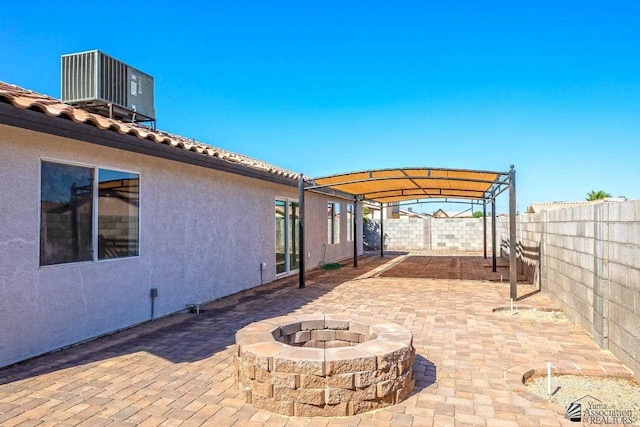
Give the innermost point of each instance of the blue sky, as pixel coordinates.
(326, 87)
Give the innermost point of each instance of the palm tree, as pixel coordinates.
(597, 195)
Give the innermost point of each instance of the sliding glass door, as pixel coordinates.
(287, 236)
(294, 240)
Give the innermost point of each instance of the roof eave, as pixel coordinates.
(39, 122)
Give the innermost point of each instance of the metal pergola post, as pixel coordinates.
(301, 251)
(381, 230)
(513, 273)
(484, 226)
(355, 231)
(494, 264)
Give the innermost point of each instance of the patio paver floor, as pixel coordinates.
(451, 267)
(179, 370)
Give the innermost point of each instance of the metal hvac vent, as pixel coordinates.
(101, 84)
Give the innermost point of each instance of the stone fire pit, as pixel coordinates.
(324, 364)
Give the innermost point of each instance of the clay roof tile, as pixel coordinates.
(27, 99)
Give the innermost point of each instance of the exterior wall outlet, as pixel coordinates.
(263, 266)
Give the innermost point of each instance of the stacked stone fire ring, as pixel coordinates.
(324, 364)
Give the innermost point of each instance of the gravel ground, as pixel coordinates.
(617, 393)
(532, 313)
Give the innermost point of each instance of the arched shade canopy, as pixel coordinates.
(403, 184)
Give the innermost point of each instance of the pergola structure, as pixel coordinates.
(420, 185)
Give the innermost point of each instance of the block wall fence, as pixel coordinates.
(588, 260)
(460, 234)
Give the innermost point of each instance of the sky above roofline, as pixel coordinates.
(323, 88)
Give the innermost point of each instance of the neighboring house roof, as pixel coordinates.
(451, 214)
(26, 99)
(372, 206)
(413, 214)
(550, 206)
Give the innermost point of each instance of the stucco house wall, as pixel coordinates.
(203, 235)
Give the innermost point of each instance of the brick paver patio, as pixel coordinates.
(451, 267)
(179, 370)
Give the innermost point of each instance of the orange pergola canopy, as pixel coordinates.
(404, 184)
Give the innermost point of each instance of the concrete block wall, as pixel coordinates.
(623, 254)
(407, 234)
(589, 263)
(570, 263)
(529, 237)
(461, 234)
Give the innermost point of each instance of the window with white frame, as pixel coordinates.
(333, 223)
(87, 213)
(350, 231)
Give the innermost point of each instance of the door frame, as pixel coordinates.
(287, 230)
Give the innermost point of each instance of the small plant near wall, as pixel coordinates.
(477, 214)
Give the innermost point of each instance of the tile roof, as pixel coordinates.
(453, 214)
(27, 99)
(550, 206)
(416, 214)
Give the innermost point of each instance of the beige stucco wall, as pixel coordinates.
(204, 234)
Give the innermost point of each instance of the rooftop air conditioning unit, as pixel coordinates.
(101, 84)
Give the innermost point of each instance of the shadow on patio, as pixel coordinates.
(180, 369)
(186, 338)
